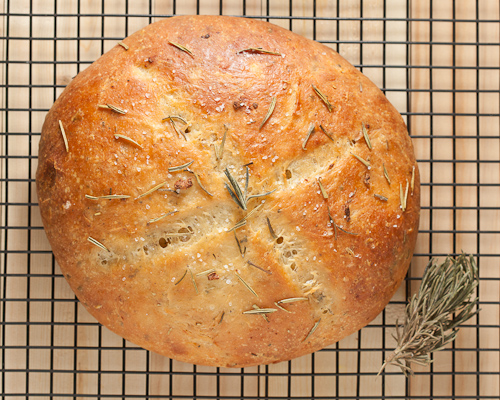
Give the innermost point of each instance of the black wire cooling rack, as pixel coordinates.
(437, 61)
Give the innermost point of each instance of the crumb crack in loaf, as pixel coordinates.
(225, 192)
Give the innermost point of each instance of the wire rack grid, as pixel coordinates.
(438, 63)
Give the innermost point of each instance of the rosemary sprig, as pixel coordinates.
(258, 50)
(181, 47)
(309, 133)
(126, 138)
(113, 108)
(246, 285)
(362, 160)
(442, 303)
(281, 308)
(326, 133)
(180, 167)
(97, 243)
(63, 133)
(240, 198)
(323, 98)
(269, 112)
(123, 45)
(365, 134)
(260, 311)
(197, 177)
(108, 197)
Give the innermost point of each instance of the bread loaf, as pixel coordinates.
(225, 192)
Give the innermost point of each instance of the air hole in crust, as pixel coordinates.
(104, 262)
(279, 240)
(288, 254)
(188, 231)
(293, 266)
(288, 174)
(163, 242)
(188, 129)
(294, 252)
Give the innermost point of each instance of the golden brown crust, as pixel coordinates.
(155, 285)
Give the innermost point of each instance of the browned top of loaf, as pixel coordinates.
(139, 287)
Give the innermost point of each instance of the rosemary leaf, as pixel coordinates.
(323, 98)
(219, 151)
(179, 133)
(118, 136)
(238, 225)
(412, 179)
(193, 281)
(207, 272)
(162, 216)
(112, 107)
(180, 167)
(323, 191)
(402, 198)
(292, 300)
(258, 50)
(123, 45)
(366, 163)
(254, 196)
(281, 308)
(442, 303)
(386, 174)
(365, 135)
(380, 197)
(309, 133)
(246, 285)
(271, 230)
(180, 280)
(260, 311)
(313, 329)
(97, 243)
(181, 47)
(260, 268)
(269, 112)
(326, 133)
(153, 189)
(171, 117)
(108, 197)
(63, 133)
(239, 245)
(197, 177)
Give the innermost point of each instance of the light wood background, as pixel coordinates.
(442, 75)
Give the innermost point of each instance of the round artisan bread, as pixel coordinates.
(142, 189)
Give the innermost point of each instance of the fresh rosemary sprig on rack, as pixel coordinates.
(443, 302)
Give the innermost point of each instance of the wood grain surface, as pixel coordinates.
(449, 98)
